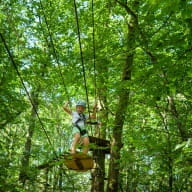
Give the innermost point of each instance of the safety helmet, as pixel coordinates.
(81, 103)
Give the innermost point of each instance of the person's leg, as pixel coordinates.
(75, 142)
(85, 143)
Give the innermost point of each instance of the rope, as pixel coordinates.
(94, 51)
(94, 57)
(82, 58)
(30, 99)
(97, 151)
(54, 50)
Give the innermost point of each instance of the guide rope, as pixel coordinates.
(29, 97)
(53, 48)
(94, 50)
(82, 58)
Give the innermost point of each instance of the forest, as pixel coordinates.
(132, 57)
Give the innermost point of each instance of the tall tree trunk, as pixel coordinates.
(116, 145)
(98, 174)
(32, 122)
(27, 150)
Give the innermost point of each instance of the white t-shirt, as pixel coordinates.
(76, 116)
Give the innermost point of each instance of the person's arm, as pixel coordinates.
(93, 116)
(66, 109)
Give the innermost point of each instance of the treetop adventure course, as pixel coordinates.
(76, 161)
(121, 70)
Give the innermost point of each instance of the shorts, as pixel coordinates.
(76, 130)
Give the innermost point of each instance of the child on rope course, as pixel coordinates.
(79, 124)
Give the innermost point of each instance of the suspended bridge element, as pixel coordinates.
(79, 162)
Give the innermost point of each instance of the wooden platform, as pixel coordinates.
(78, 162)
(99, 145)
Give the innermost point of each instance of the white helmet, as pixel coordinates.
(81, 103)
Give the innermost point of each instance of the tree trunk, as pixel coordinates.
(98, 174)
(175, 114)
(24, 174)
(26, 154)
(116, 145)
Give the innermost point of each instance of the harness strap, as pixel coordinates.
(82, 132)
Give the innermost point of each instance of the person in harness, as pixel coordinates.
(79, 124)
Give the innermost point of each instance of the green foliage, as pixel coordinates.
(42, 36)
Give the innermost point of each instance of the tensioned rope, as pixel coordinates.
(95, 77)
(22, 81)
(53, 47)
(94, 55)
(82, 58)
(94, 50)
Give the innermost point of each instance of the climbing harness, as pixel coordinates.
(81, 118)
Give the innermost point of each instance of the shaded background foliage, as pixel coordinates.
(156, 137)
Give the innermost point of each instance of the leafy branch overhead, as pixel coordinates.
(136, 64)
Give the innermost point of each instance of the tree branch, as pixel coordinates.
(129, 11)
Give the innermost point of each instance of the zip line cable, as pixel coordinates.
(95, 78)
(94, 56)
(54, 50)
(81, 52)
(82, 58)
(53, 47)
(30, 99)
(94, 50)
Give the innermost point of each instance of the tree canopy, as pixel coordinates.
(133, 56)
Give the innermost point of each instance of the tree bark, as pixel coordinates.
(98, 174)
(27, 150)
(24, 175)
(175, 114)
(116, 145)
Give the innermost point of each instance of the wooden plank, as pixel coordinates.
(79, 162)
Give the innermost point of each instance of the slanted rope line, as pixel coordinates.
(30, 99)
(82, 58)
(54, 50)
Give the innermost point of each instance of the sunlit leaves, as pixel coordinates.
(47, 56)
